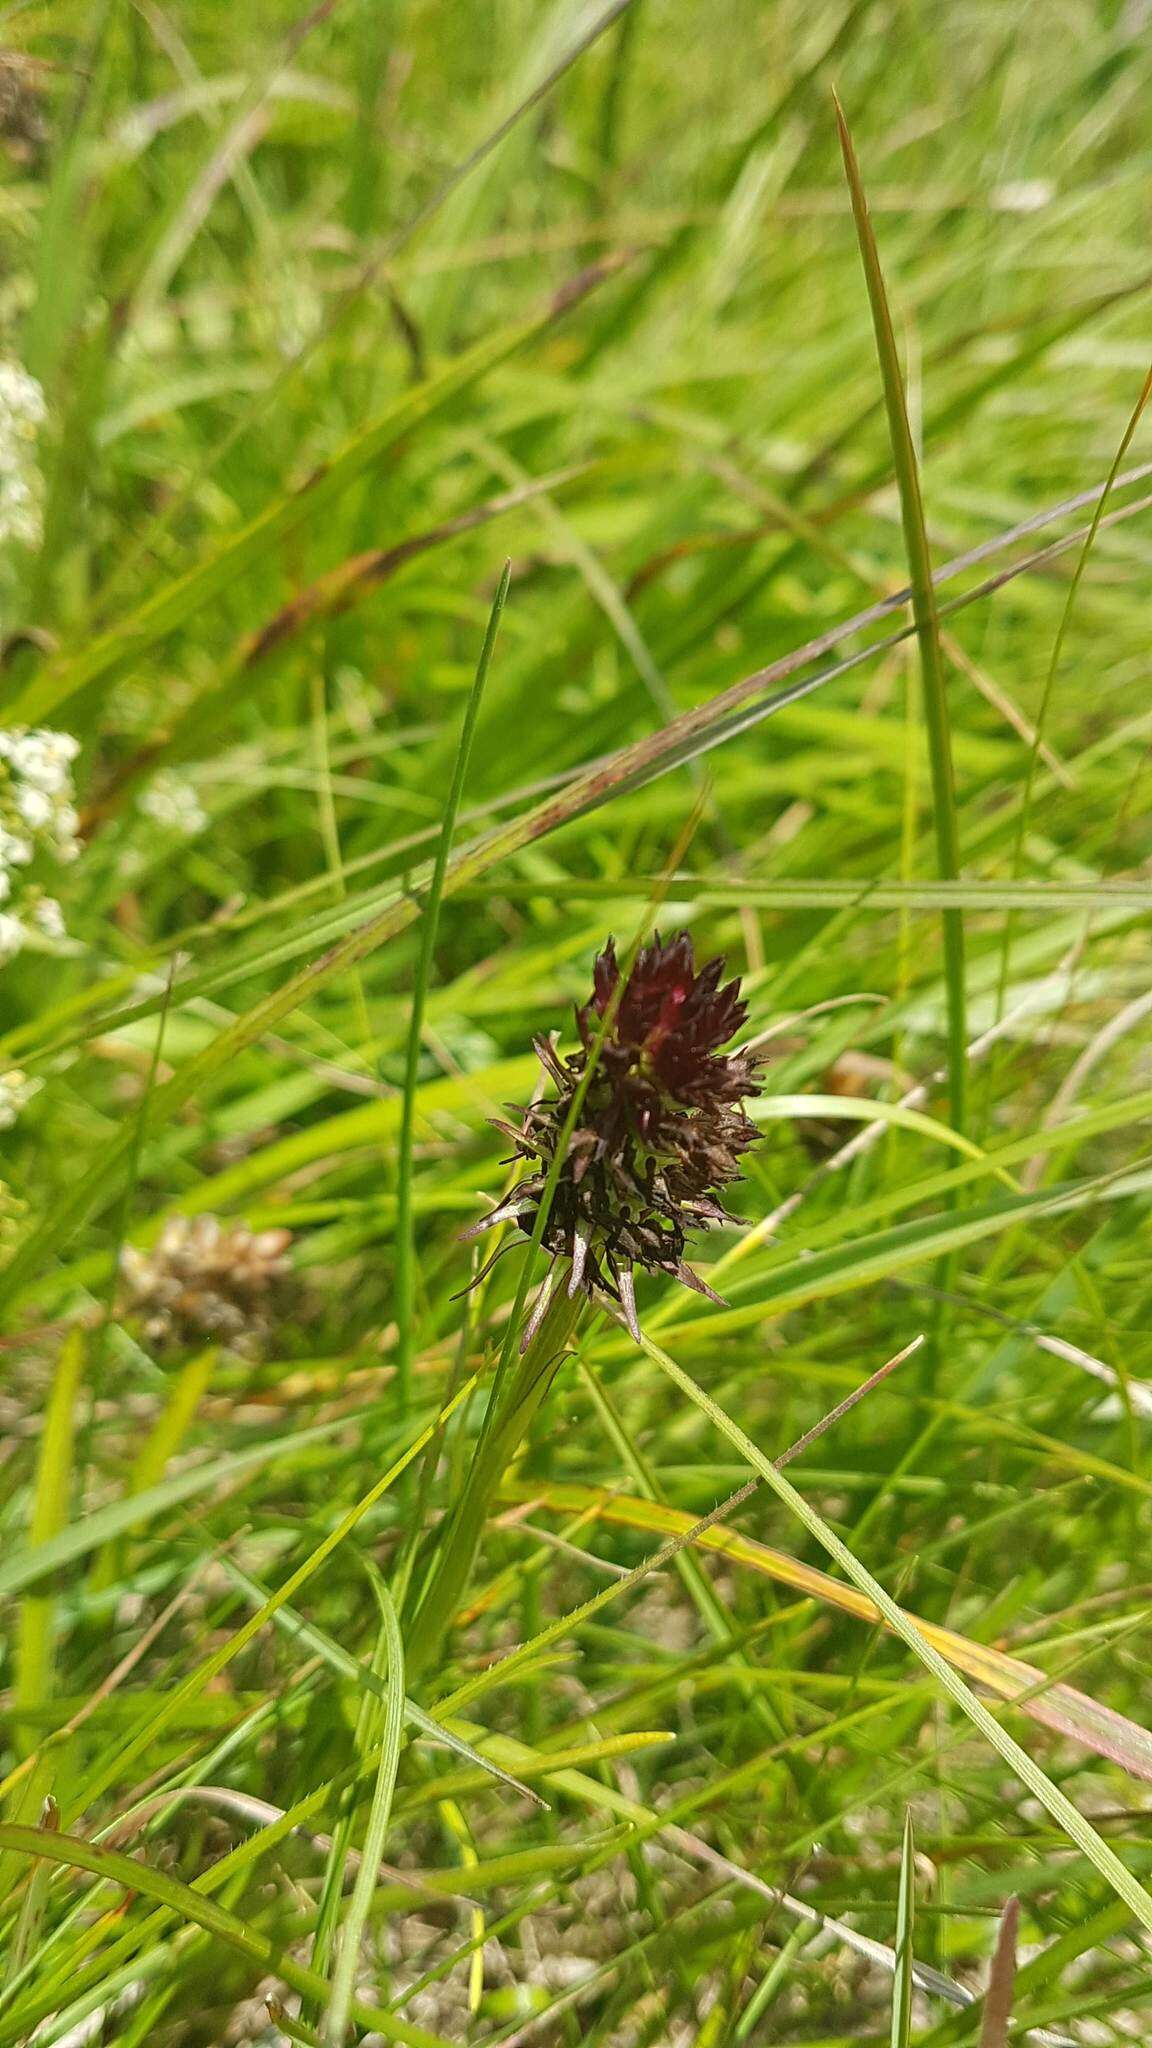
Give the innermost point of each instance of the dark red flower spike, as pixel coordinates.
(661, 1127)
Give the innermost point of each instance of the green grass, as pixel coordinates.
(825, 633)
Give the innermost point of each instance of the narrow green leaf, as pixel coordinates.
(1024, 815)
(903, 1982)
(50, 1510)
(360, 1905)
(927, 622)
(735, 711)
(161, 1444)
(369, 1716)
(1055, 1802)
(179, 601)
(36, 1561)
(210, 1668)
(1049, 1702)
(192, 1906)
(405, 1257)
(362, 1675)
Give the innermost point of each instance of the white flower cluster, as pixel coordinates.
(172, 802)
(22, 412)
(16, 1092)
(37, 815)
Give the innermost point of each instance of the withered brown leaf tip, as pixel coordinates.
(660, 1130)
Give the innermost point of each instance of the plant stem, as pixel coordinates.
(531, 1379)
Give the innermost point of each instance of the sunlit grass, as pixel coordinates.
(334, 315)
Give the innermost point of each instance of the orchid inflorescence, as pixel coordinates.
(658, 1132)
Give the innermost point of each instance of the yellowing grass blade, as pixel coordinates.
(1058, 1707)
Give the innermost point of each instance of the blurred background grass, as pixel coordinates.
(300, 315)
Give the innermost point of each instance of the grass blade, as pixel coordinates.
(49, 1517)
(193, 1907)
(405, 1278)
(902, 1986)
(1001, 1982)
(1024, 817)
(25, 1566)
(1048, 1702)
(210, 1668)
(35, 1643)
(1055, 1802)
(927, 622)
(360, 1905)
(363, 1676)
(632, 766)
(366, 1734)
(179, 601)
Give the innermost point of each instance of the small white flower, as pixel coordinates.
(22, 413)
(67, 832)
(34, 805)
(15, 851)
(49, 918)
(45, 758)
(173, 802)
(12, 936)
(37, 816)
(22, 407)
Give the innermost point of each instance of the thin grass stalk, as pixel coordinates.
(1024, 816)
(338, 2019)
(904, 1979)
(405, 1282)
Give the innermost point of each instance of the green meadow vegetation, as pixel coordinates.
(475, 480)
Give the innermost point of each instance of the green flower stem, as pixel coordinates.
(531, 1379)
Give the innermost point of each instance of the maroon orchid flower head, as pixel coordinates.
(669, 1021)
(660, 1127)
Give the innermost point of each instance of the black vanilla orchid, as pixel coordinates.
(660, 1129)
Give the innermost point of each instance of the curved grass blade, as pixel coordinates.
(170, 607)
(363, 1676)
(339, 1843)
(639, 762)
(1025, 812)
(1052, 1704)
(339, 589)
(193, 1907)
(50, 1508)
(1055, 1802)
(213, 1665)
(23, 1567)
